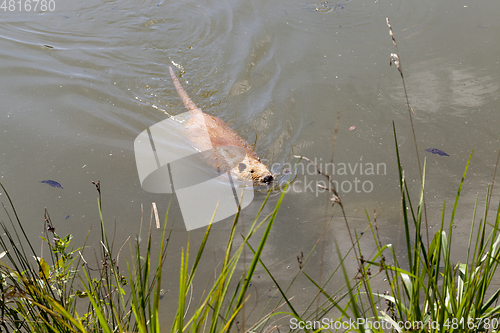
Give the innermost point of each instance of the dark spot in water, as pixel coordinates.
(52, 183)
(437, 151)
(67, 217)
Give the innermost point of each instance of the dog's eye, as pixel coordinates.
(242, 167)
(251, 171)
(258, 159)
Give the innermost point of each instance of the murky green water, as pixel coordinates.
(79, 83)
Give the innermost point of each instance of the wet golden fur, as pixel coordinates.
(209, 132)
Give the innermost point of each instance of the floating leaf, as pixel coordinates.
(437, 151)
(52, 183)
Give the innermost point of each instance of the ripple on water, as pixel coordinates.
(351, 13)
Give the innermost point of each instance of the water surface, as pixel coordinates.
(79, 83)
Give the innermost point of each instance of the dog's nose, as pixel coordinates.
(267, 179)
